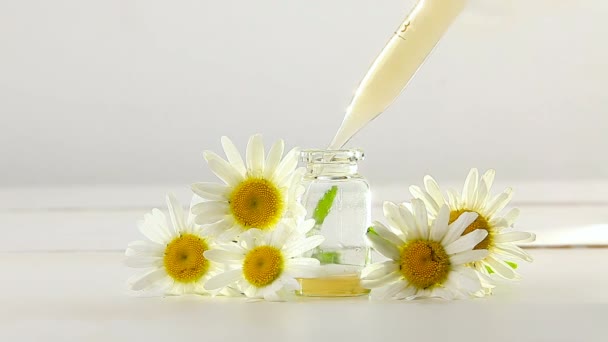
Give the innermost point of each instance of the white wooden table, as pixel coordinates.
(62, 278)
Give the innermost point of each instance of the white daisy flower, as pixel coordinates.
(258, 194)
(172, 255)
(425, 261)
(265, 264)
(501, 240)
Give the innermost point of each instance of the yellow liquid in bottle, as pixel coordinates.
(397, 63)
(347, 285)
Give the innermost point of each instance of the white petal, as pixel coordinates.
(470, 188)
(162, 225)
(306, 226)
(271, 296)
(512, 251)
(299, 247)
(302, 262)
(176, 212)
(482, 273)
(511, 216)
(213, 211)
(148, 280)
(255, 156)
(465, 281)
(440, 225)
(286, 167)
(223, 279)
(385, 233)
(409, 229)
(453, 199)
(422, 218)
(468, 256)
(230, 234)
(499, 202)
(498, 223)
(249, 239)
(230, 291)
(163, 285)
(379, 270)
(177, 289)
(145, 248)
(233, 155)
(295, 189)
(431, 205)
(305, 271)
(443, 293)
(421, 293)
(393, 216)
(222, 169)
(210, 207)
(488, 178)
(154, 227)
(233, 247)
(297, 211)
(269, 292)
(273, 287)
(225, 257)
(466, 242)
(290, 283)
(433, 189)
(211, 191)
(532, 238)
(406, 293)
(193, 201)
(512, 237)
(387, 279)
(251, 291)
(481, 196)
(500, 267)
(394, 289)
(382, 246)
(457, 227)
(278, 236)
(371, 268)
(216, 228)
(274, 158)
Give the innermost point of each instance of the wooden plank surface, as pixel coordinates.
(94, 218)
(82, 297)
(63, 279)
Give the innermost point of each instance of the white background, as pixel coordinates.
(131, 92)
(107, 104)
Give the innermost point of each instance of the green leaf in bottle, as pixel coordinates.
(327, 257)
(320, 213)
(324, 206)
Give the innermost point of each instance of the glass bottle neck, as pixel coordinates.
(332, 170)
(332, 164)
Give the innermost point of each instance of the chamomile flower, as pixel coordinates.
(172, 255)
(265, 264)
(424, 261)
(500, 240)
(258, 194)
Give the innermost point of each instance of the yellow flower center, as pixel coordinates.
(263, 265)
(424, 263)
(256, 203)
(184, 260)
(479, 223)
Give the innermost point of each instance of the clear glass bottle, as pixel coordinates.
(339, 199)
